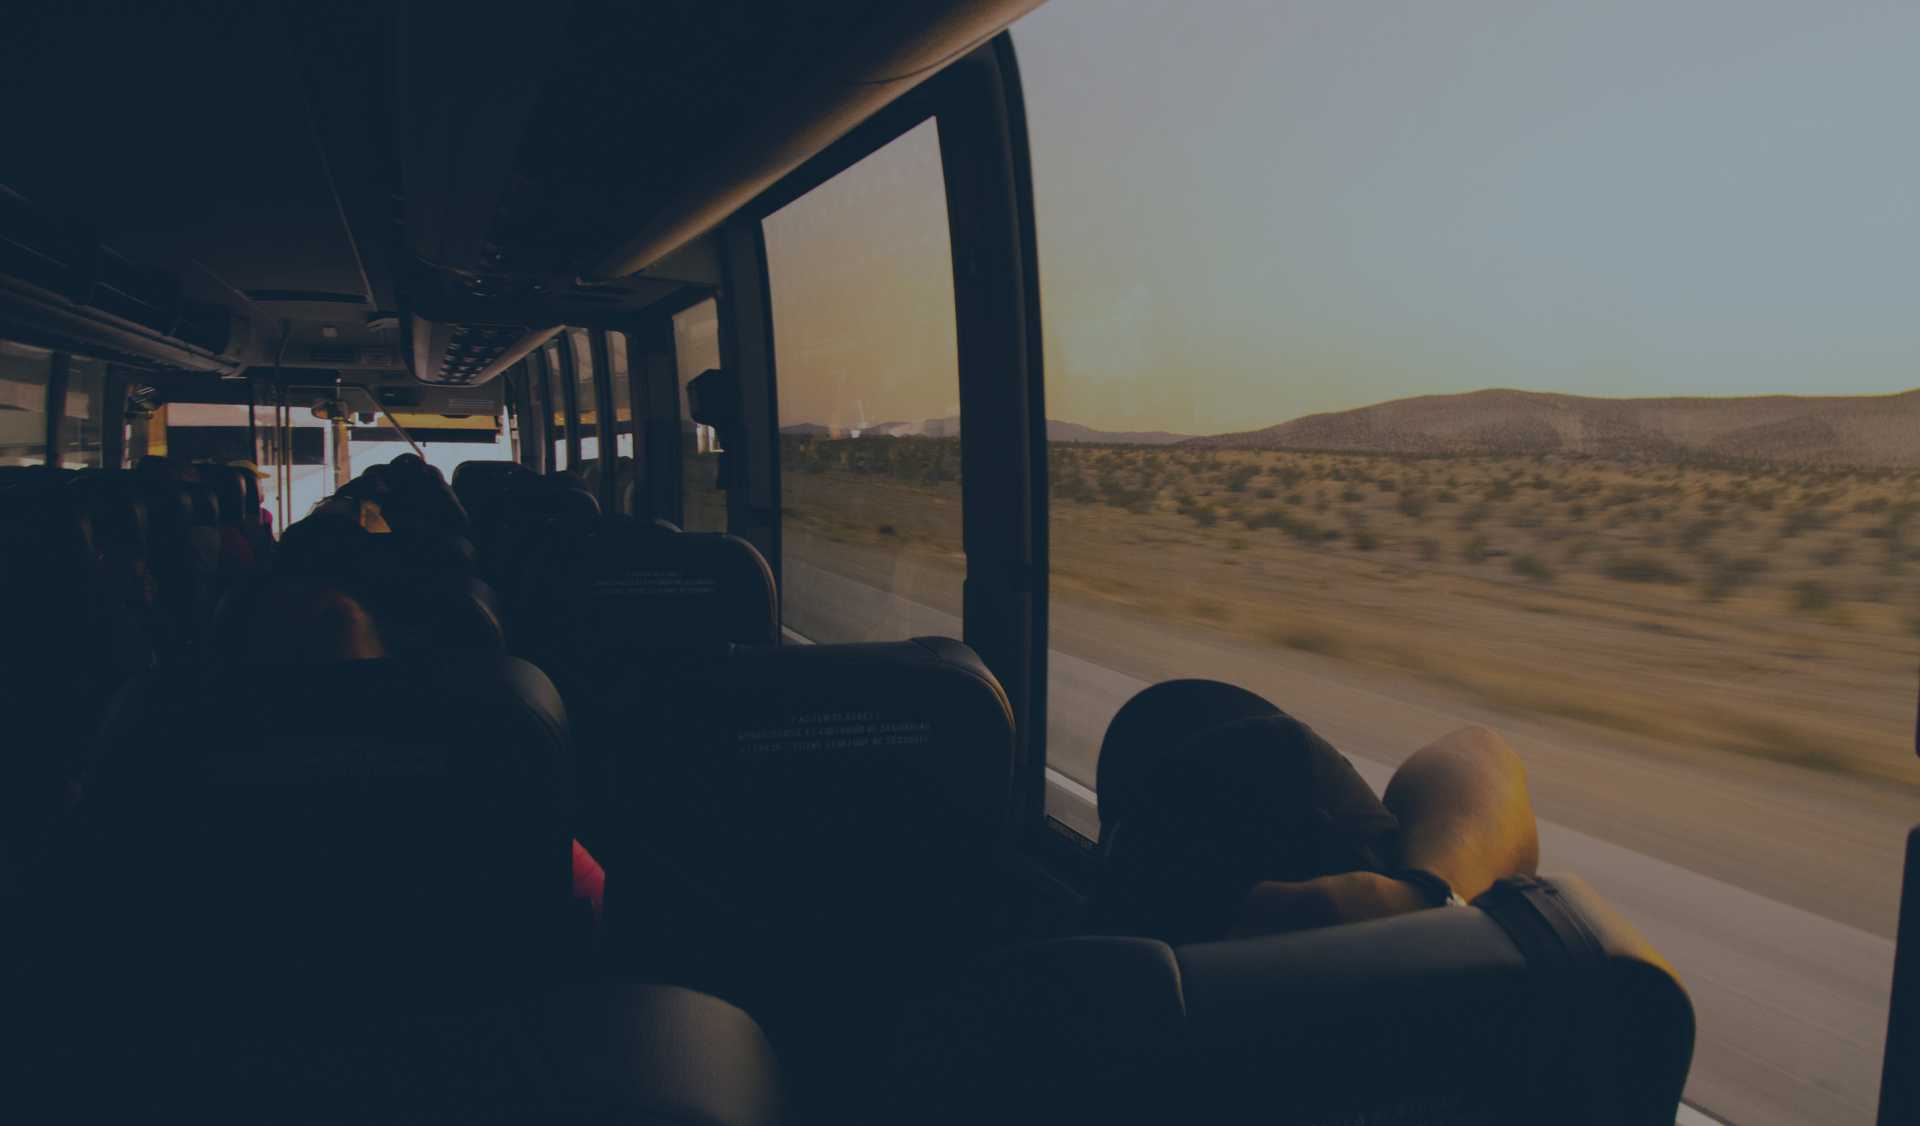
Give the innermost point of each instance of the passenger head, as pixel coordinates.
(1253, 799)
(306, 621)
(1151, 726)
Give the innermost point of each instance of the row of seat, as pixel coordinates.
(103, 573)
(296, 837)
(817, 834)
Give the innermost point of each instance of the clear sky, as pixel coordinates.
(1250, 210)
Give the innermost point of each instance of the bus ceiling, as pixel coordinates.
(421, 186)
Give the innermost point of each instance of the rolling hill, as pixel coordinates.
(949, 427)
(1859, 430)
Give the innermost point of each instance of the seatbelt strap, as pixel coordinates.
(1568, 961)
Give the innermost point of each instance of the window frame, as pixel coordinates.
(978, 111)
(52, 440)
(523, 402)
(48, 424)
(562, 346)
(607, 422)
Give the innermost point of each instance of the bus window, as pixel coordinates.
(1554, 378)
(586, 406)
(696, 348)
(23, 403)
(622, 391)
(80, 424)
(552, 381)
(861, 282)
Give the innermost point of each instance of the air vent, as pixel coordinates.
(471, 348)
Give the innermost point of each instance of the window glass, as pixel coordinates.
(587, 406)
(556, 401)
(696, 348)
(622, 391)
(301, 460)
(861, 275)
(23, 403)
(80, 428)
(1425, 365)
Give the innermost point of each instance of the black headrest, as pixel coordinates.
(629, 588)
(451, 611)
(206, 503)
(347, 823)
(418, 552)
(1434, 1017)
(169, 507)
(417, 608)
(555, 496)
(117, 510)
(48, 565)
(327, 544)
(237, 490)
(418, 500)
(482, 486)
(772, 774)
(42, 518)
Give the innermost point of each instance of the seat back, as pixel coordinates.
(627, 590)
(183, 573)
(1434, 1017)
(346, 827)
(816, 827)
(50, 672)
(538, 511)
(482, 488)
(628, 601)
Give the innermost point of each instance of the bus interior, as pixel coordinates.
(440, 685)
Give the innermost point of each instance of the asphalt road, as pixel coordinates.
(1770, 893)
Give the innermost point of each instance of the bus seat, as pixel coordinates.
(418, 499)
(628, 597)
(243, 546)
(117, 511)
(440, 612)
(416, 613)
(482, 488)
(418, 553)
(582, 1052)
(627, 588)
(353, 826)
(537, 510)
(50, 673)
(182, 580)
(1433, 1017)
(809, 831)
(1071, 1030)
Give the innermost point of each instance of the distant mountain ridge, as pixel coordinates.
(1881, 431)
(949, 427)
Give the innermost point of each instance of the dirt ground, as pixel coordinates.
(1699, 611)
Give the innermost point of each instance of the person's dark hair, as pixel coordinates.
(1254, 799)
(1152, 725)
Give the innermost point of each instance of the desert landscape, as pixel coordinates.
(1698, 620)
(1681, 591)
